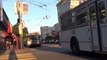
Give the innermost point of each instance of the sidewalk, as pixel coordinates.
(8, 54)
(4, 54)
(16, 55)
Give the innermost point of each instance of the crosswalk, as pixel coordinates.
(4, 57)
(21, 56)
(17, 55)
(25, 56)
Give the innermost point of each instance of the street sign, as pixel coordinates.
(25, 8)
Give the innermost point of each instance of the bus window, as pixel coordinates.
(67, 21)
(102, 13)
(63, 23)
(70, 21)
(81, 19)
(92, 13)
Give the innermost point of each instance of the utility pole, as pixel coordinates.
(19, 12)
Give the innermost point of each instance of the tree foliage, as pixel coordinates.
(15, 29)
(25, 32)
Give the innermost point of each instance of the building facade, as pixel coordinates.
(5, 28)
(46, 31)
(56, 27)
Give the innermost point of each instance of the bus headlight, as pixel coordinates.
(29, 43)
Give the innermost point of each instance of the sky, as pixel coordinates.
(36, 16)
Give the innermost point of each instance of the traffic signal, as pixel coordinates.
(18, 20)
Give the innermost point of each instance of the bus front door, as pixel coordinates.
(102, 9)
(93, 28)
(98, 44)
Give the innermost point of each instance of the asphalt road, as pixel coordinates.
(56, 52)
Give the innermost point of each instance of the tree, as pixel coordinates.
(25, 33)
(15, 29)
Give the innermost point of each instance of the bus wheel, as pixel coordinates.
(75, 47)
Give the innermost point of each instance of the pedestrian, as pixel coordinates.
(7, 44)
(15, 41)
(9, 41)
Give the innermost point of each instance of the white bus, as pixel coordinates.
(84, 28)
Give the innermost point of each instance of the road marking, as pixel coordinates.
(4, 57)
(26, 56)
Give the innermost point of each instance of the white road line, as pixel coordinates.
(4, 57)
(26, 56)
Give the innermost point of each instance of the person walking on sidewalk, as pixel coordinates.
(15, 41)
(9, 41)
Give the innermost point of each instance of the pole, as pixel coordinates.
(98, 26)
(19, 10)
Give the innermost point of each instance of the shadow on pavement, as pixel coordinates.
(54, 49)
(12, 55)
(2, 51)
(83, 54)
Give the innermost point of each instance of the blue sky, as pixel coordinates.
(34, 19)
